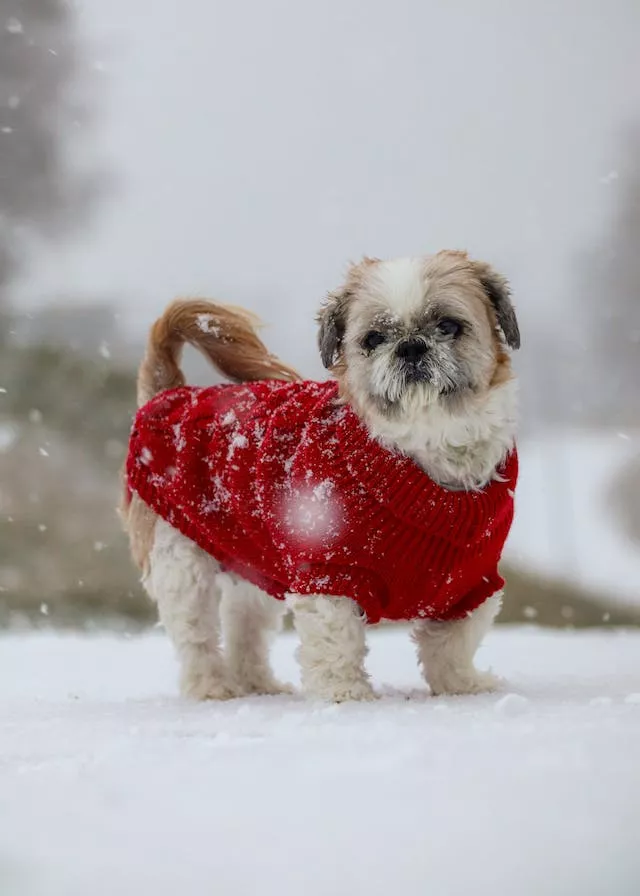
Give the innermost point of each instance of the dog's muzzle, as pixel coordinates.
(412, 354)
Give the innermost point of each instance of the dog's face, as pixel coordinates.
(406, 334)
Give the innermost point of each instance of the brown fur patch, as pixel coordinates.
(223, 334)
(227, 337)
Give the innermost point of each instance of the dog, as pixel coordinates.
(385, 493)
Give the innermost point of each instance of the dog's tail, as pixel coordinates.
(225, 335)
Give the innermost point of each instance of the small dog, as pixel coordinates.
(386, 493)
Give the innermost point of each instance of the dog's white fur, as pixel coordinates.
(198, 603)
(194, 597)
(460, 451)
(332, 647)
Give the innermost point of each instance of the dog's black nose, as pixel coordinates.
(411, 349)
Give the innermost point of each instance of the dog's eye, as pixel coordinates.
(449, 327)
(373, 339)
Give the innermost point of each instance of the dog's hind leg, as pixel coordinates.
(182, 580)
(250, 618)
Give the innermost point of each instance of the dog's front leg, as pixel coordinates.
(446, 651)
(332, 647)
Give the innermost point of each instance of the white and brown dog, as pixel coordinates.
(419, 349)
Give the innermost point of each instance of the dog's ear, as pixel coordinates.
(332, 317)
(499, 292)
(332, 320)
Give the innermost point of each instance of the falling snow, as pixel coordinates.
(8, 436)
(310, 516)
(14, 26)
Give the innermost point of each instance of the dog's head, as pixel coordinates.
(411, 333)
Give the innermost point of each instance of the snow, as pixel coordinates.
(208, 324)
(8, 435)
(109, 783)
(14, 26)
(236, 441)
(564, 525)
(311, 515)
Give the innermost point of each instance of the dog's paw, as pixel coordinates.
(362, 693)
(269, 687)
(457, 682)
(209, 687)
(345, 692)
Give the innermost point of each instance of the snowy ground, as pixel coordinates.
(110, 784)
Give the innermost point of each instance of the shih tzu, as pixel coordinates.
(385, 493)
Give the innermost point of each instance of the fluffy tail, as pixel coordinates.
(225, 335)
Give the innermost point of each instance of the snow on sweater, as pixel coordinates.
(282, 484)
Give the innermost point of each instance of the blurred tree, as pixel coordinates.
(611, 361)
(40, 193)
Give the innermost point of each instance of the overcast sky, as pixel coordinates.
(259, 146)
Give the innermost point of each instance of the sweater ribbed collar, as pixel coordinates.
(397, 482)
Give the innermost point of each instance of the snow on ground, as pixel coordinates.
(564, 525)
(111, 784)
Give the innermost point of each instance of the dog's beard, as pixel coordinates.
(397, 385)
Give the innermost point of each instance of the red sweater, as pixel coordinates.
(283, 485)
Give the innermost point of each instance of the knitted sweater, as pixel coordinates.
(283, 485)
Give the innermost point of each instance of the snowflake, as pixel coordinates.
(14, 26)
(179, 440)
(220, 497)
(8, 436)
(312, 520)
(321, 581)
(206, 324)
(238, 441)
(324, 489)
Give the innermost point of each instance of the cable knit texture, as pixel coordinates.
(283, 484)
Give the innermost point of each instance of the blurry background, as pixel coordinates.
(247, 151)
